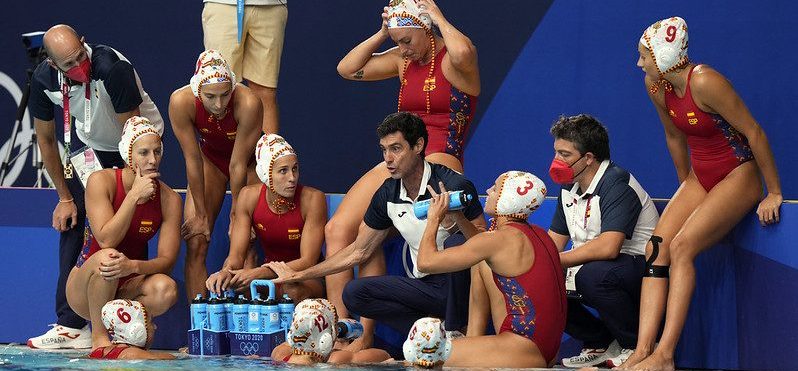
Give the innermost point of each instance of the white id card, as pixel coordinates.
(570, 281)
(85, 162)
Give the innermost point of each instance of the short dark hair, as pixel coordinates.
(586, 132)
(409, 124)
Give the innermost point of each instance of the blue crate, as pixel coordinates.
(250, 343)
(208, 343)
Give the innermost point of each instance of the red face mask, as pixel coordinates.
(81, 72)
(562, 173)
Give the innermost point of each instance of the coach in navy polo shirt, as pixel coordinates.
(103, 91)
(609, 218)
(398, 301)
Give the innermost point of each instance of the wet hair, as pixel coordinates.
(409, 124)
(585, 132)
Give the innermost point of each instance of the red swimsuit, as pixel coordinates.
(143, 226)
(716, 147)
(114, 353)
(535, 301)
(217, 137)
(451, 110)
(279, 235)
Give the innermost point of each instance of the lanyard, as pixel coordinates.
(240, 15)
(587, 211)
(68, 122)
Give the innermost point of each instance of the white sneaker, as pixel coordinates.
(62, 337)
(592, 357)
(620, 358)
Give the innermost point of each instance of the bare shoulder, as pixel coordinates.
(250, 191)
(312, 197)
(245, 98)
(310, 193)
(105, 178)
(168, 195)
(181, 97)
(706, 79)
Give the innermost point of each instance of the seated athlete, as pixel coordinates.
(131, 331)
(526, 269)
(312, 335)
(227, 118)
(288, 219)
(126, 208)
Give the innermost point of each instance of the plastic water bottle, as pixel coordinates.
(241, 314)
(286, 306)
(229, 297)
(457, 200)
(216, 314)
(349, 329)
(199, 312)
(271, 310)
(254, 315)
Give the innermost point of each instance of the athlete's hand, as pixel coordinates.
(197, 225)
(65, 216)
(143, 188)
(384, 29)
(218, 282)
(768, 210)
(243, 277)
(285, 274)
(429, 7)
(451, 215)
(116, 266)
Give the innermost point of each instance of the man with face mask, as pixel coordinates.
(97, 90)
(609, 218)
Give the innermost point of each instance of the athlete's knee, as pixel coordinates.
(100, 256)
(196, 250)
(657, 270)
(337, 234)
(165, 289)
(682, 250)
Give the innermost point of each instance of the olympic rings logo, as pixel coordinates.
(249, 348)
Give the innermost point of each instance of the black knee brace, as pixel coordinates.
(656, 271)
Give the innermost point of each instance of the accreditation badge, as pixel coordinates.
(570, 282)
(85, 162)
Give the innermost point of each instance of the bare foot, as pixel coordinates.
(636, 357)
(655, 362)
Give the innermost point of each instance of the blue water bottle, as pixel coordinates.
(241, 314)
(349, 329)
(216, 315)
(254, 315)
(199, 312)
(457, 200)
(229, 297)
(286, 306)
(272, 312)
